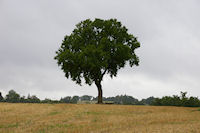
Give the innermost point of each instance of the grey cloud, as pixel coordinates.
(31, 32)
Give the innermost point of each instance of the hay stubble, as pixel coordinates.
(75, 118)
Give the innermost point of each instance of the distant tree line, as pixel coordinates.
(175, 100)
(127, 100)
(14, 97)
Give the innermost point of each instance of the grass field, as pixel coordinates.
(92, 118)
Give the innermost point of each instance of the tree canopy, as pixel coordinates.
(95, 48)
(12, 96)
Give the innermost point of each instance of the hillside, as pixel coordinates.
(73, 118)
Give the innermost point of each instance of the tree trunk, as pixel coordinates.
(100, 93)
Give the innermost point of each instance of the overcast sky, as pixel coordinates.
(168, 30)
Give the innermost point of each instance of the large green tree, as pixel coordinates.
(96, 48)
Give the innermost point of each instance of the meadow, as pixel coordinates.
(93, 118)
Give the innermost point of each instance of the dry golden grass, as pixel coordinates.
(92, 118)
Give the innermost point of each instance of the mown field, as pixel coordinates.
(92, 118)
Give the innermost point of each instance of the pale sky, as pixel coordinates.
(168, 30)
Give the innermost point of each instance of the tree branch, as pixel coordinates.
(103, 73)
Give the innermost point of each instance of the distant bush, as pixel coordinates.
(31, 99)
(74, 99)
(46, 100)
(125, 99)
(85, 98)
(175, 100)
(147, 101)
(120, 99)
(12, 97)
(69, 99)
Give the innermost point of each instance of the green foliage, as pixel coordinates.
(69, 99)
(175, 100)
(121, 99)
(12, 97)
(95, 48)
(86, 98)
(32, 99)
(147, 101)
(47, 100)
(124, 99)
(66, 99)
(1, 97)
(74, 99)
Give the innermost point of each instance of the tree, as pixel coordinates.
(1, 97)
(147, 101)
(96, 48)
(175, 100)
(65, 99)
(23, 99)
(47, 100)
(74, 99)
(33, 99)
(86, 98)
(12, 97)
